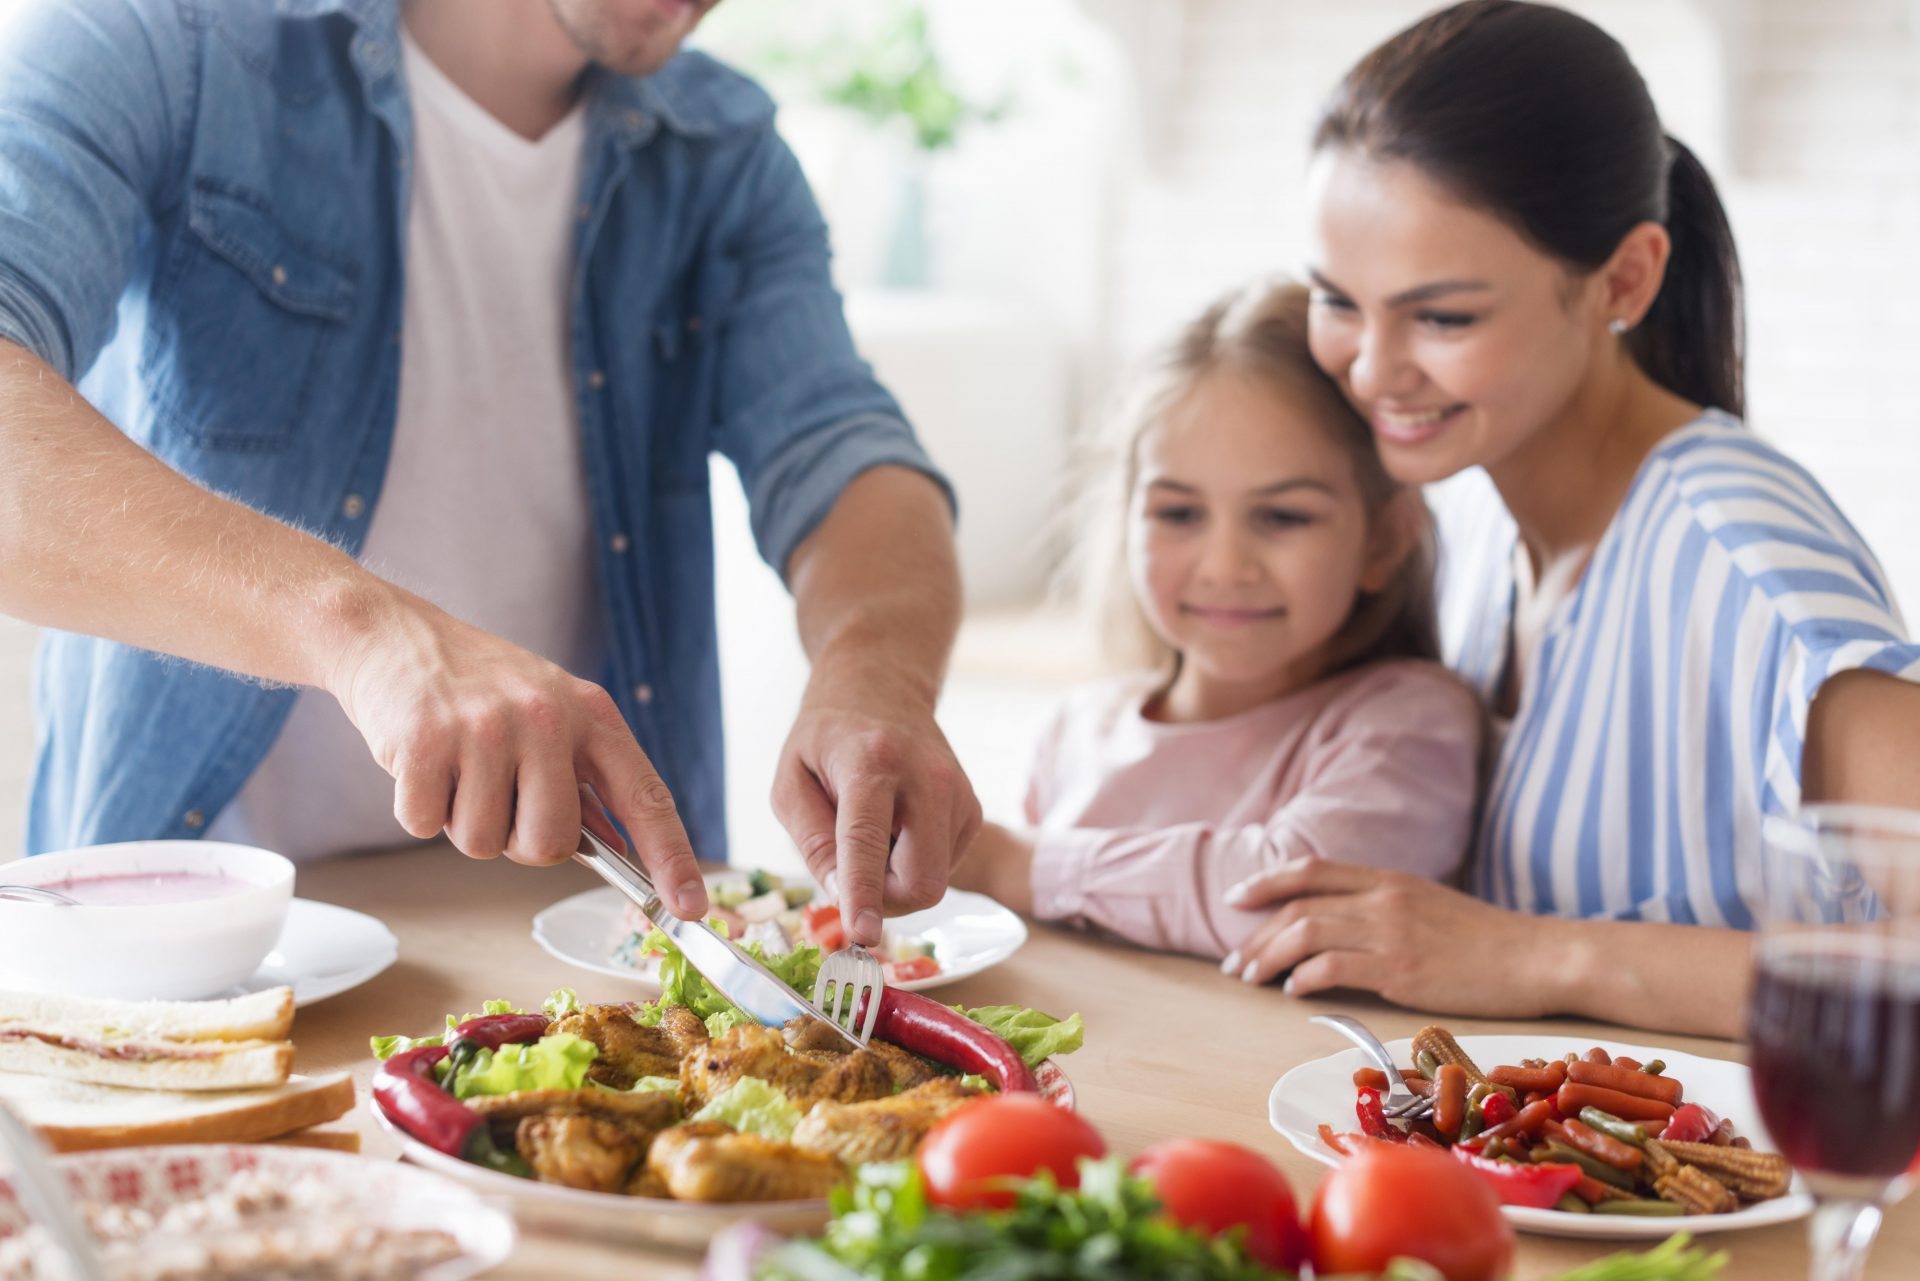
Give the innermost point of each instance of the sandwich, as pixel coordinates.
(179, 1046)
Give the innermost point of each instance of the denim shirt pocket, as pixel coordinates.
(241, 318)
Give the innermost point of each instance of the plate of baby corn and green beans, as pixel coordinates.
(1595, 1140)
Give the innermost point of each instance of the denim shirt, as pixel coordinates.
(202, 220)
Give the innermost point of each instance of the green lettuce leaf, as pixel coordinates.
(561, 1002)
(752, 1106)
(558, 1061)
(656, 1085)
(681, 984)
(385, 1047)
(487, 1008)
(1035, 1035)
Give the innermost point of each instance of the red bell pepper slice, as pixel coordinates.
(1537, 1187)
(1690, 1123)
(1373, 1118)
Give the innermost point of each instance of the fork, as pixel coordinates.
(854, 976)
(1401, 1104)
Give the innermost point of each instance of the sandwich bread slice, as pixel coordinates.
(233, 1044)
(75, 1116)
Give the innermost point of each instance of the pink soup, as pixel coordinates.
(143, 889)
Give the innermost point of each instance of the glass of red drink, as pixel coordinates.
(1833, 1023)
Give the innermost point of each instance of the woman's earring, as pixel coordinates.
(1617, 326)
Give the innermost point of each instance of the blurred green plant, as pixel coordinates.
(890, 72)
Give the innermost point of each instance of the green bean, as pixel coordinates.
(1429, 1065)
(1598, 1169)
(1572, 1204)
(1654, 1068)
(1654, 1209)
(1612, 1126)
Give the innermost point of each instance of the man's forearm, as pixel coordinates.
(98, 536)
(877, 586)
(1680, 978)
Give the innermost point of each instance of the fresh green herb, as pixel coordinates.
(1109, 1229)
(1674, 1259)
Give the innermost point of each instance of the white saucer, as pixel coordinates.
(969, 932)
(323, 951)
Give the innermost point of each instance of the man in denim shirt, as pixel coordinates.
(266, 255)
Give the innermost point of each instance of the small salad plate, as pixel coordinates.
(1322, 1092)
(956, 938)
(323, 950)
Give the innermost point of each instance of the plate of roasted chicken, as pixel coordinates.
(662, 1121)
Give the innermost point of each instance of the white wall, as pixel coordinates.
(1808, 111)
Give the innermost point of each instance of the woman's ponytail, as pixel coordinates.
(1692, 341)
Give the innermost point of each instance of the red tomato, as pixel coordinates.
(975, 1147)
(1385, 1201)
(1211, 1186)
(914, 967)
(824, 928)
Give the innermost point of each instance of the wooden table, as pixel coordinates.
(1173, 1047)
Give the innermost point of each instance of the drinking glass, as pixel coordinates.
(1833, 1024)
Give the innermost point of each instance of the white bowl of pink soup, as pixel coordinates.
(156, 920)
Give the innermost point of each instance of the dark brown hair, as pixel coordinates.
(1539, 117)
(1259, 331)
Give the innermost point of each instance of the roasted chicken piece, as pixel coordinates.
(629, 1051)
(813, 1035)
(579, 1151)
(654, 1109)
(883, 1129)
(805, 1077)
(706, 1161)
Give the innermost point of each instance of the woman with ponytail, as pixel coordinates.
(1532, 293)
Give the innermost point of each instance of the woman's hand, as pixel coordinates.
(1415, 942)
(999, 864)
(504, 751)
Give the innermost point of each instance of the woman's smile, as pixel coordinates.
(1232, 615)
(1407, 427)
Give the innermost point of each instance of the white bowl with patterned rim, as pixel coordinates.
(347, 1209)
(650, 1220)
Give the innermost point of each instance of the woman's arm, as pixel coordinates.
(1430, 947)
(1863, 741)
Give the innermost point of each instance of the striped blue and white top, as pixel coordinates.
(1666, 703)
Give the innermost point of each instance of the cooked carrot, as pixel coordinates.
(1643, 1084)
(1603, 1147)
(1367, 1078)
(1598, 1055)
(1575, 1095)
(1450, 1099)
(1526, 1080)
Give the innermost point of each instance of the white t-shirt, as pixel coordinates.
(485, 509)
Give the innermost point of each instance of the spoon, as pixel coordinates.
(34, 894)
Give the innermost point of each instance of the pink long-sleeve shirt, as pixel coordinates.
(1143, 826)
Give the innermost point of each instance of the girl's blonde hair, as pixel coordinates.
(1259, 331)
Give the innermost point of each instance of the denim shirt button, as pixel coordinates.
(693, 324)
(194, 819)
(596, 380)
(354, 507)
(618, 543)
(643, 694)
(635, 119)
(279, 274)
(584, 212)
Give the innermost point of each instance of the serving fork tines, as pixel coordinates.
(1401, 1103)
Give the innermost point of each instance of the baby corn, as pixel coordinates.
(1756, 1176)
(1439, 1042)
(1696, 1191)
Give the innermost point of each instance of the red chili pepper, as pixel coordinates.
(1536, 1186)
(405, 1089)
(924, 1026)
(1373, 1118)
(1496, 1109)
(491, 1031)
(1691, 1123)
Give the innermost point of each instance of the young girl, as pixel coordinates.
(1276, 587)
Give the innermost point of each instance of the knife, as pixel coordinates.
(742, 980)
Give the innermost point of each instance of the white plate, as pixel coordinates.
(652, 1220)
(1322, 1091)
(381, 1193)
(969, 932)
(323, 950)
